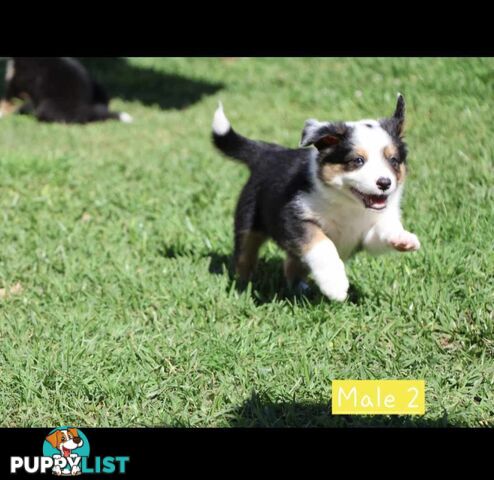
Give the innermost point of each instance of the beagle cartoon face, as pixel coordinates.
(65, 440)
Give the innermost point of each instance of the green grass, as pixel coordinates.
(120, 236)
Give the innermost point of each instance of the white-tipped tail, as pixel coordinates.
(125, 117)
(221, 125)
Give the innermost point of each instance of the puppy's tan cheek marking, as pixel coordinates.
(329, 171)
(249, 249)
(350, 167)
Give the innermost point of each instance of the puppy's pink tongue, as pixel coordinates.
(377, 199)
(66, 452)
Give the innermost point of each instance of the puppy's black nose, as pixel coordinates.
(383, 183)
(77, 440)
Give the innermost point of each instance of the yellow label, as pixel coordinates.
(378, 397)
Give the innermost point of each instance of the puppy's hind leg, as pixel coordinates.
(296, 274)
(247, 245)
(248, 235)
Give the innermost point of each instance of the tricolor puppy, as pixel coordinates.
(323, 203)
(66, 441)
(56, 89)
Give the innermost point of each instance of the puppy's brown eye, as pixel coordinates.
(358, 161)
(395, 163)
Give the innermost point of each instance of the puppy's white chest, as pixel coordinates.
(346, 229)
(344, 224)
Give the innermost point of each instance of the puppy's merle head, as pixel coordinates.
(365, 159)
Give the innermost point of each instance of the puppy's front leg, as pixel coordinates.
(325, 264)
(389, 234)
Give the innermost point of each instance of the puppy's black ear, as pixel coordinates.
(395, 125)
(322, 134)
(399, 115)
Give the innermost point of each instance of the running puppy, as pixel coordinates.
(56, 89)
(324, 203)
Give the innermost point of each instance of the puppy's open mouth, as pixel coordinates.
(66, 451)
(375, 202)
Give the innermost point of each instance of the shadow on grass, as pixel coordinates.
(268, 284)
(147, 85)
(260, 411)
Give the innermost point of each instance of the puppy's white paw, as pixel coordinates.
(56, 470)
(405, 242)
(335, 286)
(328, 270)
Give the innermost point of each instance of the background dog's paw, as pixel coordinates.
(405, 242)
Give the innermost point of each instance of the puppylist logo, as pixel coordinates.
(66, 454)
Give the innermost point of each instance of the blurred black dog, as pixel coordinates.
(56, 89)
